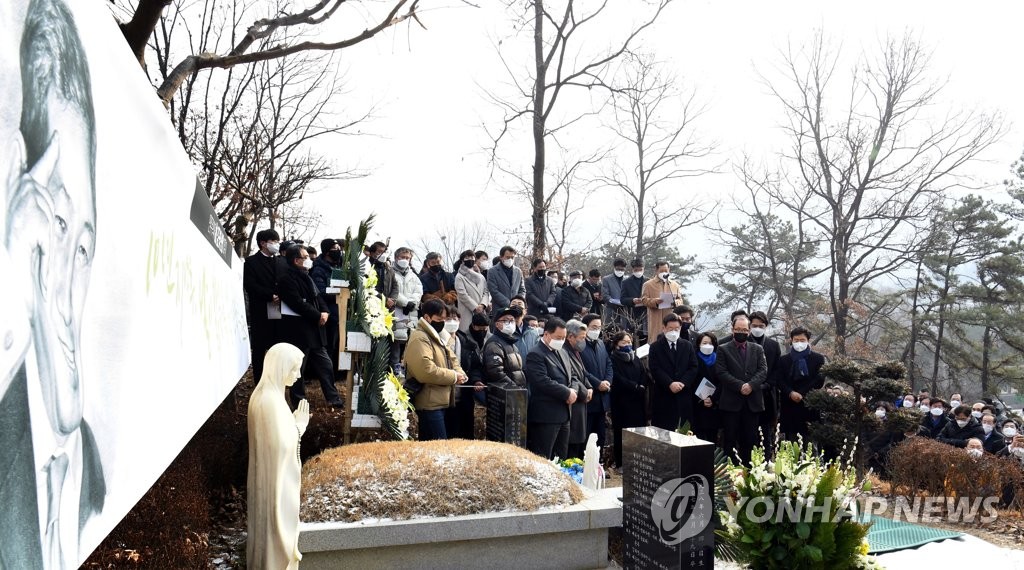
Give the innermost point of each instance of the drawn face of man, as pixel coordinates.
(58, 196)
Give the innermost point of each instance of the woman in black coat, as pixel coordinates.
(705, 412)
(629, 392)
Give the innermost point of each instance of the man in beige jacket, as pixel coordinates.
(660, 296)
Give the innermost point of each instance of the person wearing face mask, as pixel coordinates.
(908, 401)
(993, 441)
(387, 286)
(1013, 441)
(742, 370)
(629, 398)
(660, 294)
(323, 267)
(593, 287)
(936, 419)
(437, 283)
(528, 335)
(306, 328)
(685, 314)
(549, 375)
(673, 368)
(471, 289)
(611, 293)
(977, 410)
(429, 361)
(574, 301)
(598, 366)
(769, 422)
(706, 421)
(575, 342)
(925, 404)
(880, 439)
(955, 400)
(540, 290)
(974, 448)
(962, 428)
(503, 362)
(635, 317)
(505, 281)
(459, 418)
(259, 280)
(483, 263)
(797, 373)
(410, 291)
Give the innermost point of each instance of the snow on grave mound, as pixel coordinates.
(404, 479)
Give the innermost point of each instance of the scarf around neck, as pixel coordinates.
(709, 359)
(801, 361)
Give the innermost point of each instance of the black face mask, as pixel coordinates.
(436, 269)
(686, 326)
(740, 337)
(478, 336)
(469, 262)
(334, 255)
(437, 326)
(541, 273)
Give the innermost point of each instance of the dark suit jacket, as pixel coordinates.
(598, 366)
(668, 366)
(549, 377)
(502, 289)
(259, 279)
(789, 380)
(734, 372)
(298, 292)
(21, 546)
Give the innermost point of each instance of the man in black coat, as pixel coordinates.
(993, 441)
(772, 353)
(742, 371)
(962, 428)
(795, 380)
(303, 320)
(636, 311)
(503, 364)
(549, 375)
(574, 301)
(259, 279)
(934, 422)
(673, 366)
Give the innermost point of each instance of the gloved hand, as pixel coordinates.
(410, 307)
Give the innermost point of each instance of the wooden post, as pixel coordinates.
(343, 297)
(346, 428)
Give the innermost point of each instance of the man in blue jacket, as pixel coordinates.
(598, 368)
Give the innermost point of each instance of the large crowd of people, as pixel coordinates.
(594, 352)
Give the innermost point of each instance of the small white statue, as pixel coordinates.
(275, 467)
(593, 473)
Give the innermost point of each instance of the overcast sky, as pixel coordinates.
(428, 166)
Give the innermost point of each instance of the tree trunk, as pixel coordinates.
(911, 354)
(539, 213)
(986, 359)
(138, 30)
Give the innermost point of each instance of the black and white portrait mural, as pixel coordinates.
(121, 321)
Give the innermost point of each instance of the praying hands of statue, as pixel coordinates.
(745, 389)
(301, 415)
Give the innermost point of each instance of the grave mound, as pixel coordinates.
(403, 479)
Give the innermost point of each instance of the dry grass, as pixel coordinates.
(402, 480)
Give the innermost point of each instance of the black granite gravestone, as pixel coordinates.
(506, 414)
(668, 487)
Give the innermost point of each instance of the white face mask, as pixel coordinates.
(976, 414)
(274, 247)
(1009, 431)
(484, 265)
(672, 336)
(402, 263)
(594, 334)
(619, 272)
(962, 423)
(975, 453)
(758, 332)
(954, 403)
(924, 408)
(908, 404)
(988, 429)
(663, 275)
(307, 263)
(707, 349)
(880, 413)
(508, 262)
(451, 326)
(638, 274)
(576, 283)
(937, 411)
(798, 346)
(508, 328)
(556, 344)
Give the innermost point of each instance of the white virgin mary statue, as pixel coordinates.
(275, 467)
